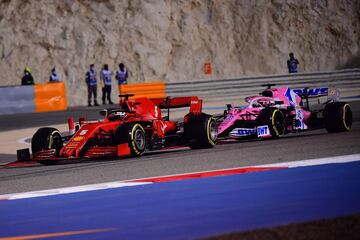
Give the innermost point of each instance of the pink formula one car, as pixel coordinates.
(278, 111)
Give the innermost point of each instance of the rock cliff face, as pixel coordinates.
(172, 39)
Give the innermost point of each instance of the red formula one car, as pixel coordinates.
(130, 130)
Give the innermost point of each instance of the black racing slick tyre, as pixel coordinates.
(45, 139)
(134, 135)
(200, 131)
(337, 117)
(273, 118)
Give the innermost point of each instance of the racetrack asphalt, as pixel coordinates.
(307, 145)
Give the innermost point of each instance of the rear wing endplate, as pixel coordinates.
(193, 102)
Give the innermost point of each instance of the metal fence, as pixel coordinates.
(346, 81)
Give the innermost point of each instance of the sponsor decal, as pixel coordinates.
(121, 114)
(163, 127)
(312, 92)
(228, 119)
(72, 145)
(78, 138)
(299, 114)
(333, 95)
(317, 91)
(83, 132)
(241, 132)
(291, 96)
(332, 92)
(156, 112)
(263, 131)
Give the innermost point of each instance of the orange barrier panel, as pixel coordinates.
(50, 97)
(150, 90)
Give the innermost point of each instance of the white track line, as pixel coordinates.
(130, 183)
(57, 191)
(23, 140)
(302, 163)
(319, 161)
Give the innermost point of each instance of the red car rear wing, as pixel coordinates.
(193, 102)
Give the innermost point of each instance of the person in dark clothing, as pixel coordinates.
(121, 75)
(105, 77)
(27, 79)
(292, 64)
(91, 82)
(53, 77)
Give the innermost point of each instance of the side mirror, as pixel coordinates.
(104, 112)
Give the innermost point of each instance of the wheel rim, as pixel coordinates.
(139, 139)
(213, 131)
(347, 117)
(57, 142)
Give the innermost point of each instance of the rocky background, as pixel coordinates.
(172, 39)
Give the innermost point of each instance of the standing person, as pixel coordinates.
(292, 64)
(53, 77)
(27, 79)
(121, 75)
(92, 85)
(105, 77)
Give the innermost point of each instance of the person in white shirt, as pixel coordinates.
(105, 77)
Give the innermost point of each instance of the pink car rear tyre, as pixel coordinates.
(337, 117)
